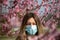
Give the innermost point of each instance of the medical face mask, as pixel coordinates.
(31, 29)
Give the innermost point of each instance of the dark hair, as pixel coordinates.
(57, 37)
(22, 34)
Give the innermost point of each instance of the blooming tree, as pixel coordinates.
(14, 10)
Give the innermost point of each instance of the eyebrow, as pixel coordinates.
(30, 23)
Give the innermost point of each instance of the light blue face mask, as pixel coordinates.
(31, 29)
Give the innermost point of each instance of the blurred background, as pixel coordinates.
(12, 12)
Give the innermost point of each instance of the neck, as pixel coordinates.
(32, 37)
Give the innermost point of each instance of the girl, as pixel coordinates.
(30, 28)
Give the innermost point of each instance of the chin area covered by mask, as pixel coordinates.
(31, 29)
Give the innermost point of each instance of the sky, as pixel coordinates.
(41, 11)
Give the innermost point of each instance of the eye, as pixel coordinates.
(34, 23)
(31, 23)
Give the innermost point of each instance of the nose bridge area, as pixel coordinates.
(31, 24)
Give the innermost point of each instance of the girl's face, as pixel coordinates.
(31, 21)
(31, 27)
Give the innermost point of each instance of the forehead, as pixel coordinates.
(31, 20)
